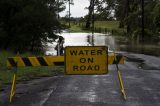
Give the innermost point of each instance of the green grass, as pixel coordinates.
(109, 25)
(24, 73)
(76, 28)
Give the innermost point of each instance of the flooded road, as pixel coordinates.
(149, 50)
(117, 43)
(140, 75)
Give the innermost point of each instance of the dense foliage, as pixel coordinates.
(28, 24)
(129, 13)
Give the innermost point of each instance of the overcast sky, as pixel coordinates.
(78, 9)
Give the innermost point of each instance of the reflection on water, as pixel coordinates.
(117, 43)
(78, 39)
(149, 47)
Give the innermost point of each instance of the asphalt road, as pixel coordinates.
(141, 77)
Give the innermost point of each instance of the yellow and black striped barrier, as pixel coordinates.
(51, 61)
(19, 61)
(119, 59)
(35, 61)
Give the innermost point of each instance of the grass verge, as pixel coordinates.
(24, 73)
(109, 25)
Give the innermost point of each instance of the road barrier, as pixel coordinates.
(18, 61)
(51, 61)
(118, 60)
(35, 61)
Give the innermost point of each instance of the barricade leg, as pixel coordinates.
(13, 88)
(121, 85)
(120, 79)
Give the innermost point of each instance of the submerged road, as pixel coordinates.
(141, 77)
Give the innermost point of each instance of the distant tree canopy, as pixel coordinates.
(101, 9)
(27, 24)
(129, 13)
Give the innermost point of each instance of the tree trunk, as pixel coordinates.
(9, 37)
(32, 45)
(127, 14)
(7, 44)
(88, 22)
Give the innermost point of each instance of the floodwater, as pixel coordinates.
(114, 43)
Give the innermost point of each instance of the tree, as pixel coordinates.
(156, 18)
(90, 13)
(102, 9)
(137, 17)
(105, 9)
(27, 24)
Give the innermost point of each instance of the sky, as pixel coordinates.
(78, 9)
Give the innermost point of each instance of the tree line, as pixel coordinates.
(26, 25)
(130, 14)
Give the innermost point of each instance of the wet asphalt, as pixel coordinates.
(141, 77)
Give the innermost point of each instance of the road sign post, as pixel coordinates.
(85, 60)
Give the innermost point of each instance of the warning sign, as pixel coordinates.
(86, 60)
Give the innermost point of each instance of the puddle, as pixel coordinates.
(133, 59)
(148, 67)
(140, 63)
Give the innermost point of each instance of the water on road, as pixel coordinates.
(117, 43)
(140, 74)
